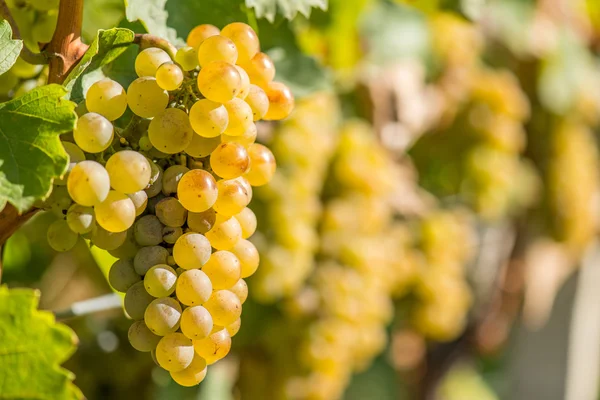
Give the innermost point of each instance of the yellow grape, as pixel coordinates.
(116, 213)
(217, 48)
(223, 269)
(244, 38)
(281, 101)
(219, 81)
(245, 86)
(148, 61)
(225, 233)
(196, 322)
(248, 223)
(80, 218)
(193, 287)
(260, 69)
(174, 352)
(145, 98)
(160, 280)
(262, 165)
(193, 375)
(202, 222)
(169, 76)
(199, 33)
(192, 250)
(245, 139)
(197, 190)
(248, 255)
(234, 327)
(233, 197)
(88, 183)
(162, 315)
(224, 307)
(170, 131)
(187, 58)
(258, 101)
(107, 98)
(214, 347)
(140, 201)
(208, 119)
(129, 171)
(93, 133)
(229, 160)
(106, 240)
(75, 156)
(202, 146)
(240, 117)
(240, 289)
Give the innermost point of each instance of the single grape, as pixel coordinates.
(248, 255)
(219, 81)
(142, 338)
(260, 69)
(93, 133)
(170, 131)
(129, 171)
(193, 287)
(244, 38)
(240, 117)
(128, 249)
(187, 58)
(145, 98)
(148, 231)
(214, 347)
(169, 76)
(170, 212)
(202, 222)
(106, 240)
(80, 219)
(196, 322)
(217, 48)
(225, 233)
(233, 197)
(201, 146)
(193, 375)
(208, 119)
(281, 101)
(245, 86)
(136, 301)
(234, 327)
(223, 269)
(149, 256)
(155, 186)
(174, 352)
(240, 289)
(258, 101)
(140, 201)
(224, 307)
(60, 236)
(200, 33)
(122, 276)
(171, 178)
(247, 220)
(262, 165)
(145, 144)
(75, 156)
(192, 250)
(171, 234)
(162, 315)
(245, 139)
(148, 61)
(160, 280)
(197, 190)
(116, 213)
(229, 160)
(107, 98)
(88, 183)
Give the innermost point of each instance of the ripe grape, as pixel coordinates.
(240, 117)
(171, 234)
(245, 139)
(197, 190)
(106, 240)
(234, 327)
(192, 250)
(193, 287)
(162, 315)
(145, 98)
(202, 222)
(196, 322)
(75, 156)
(148, 231)
(281, 101)
(122, 276)
(148, 61)
(136, 301)
(140, 201)
(149, 256)
(116, 213)
(200, 33)
(193, 375)
(208, 119)
(60, 237)
(248, 223)
(258, 101)
(169, 76)
(88, 183)
(80, 219)
(170, 212)
(234, 196)
(217, 48)
(171, 178)
(107, 98)
(202, 146)
(223, 269)
(224, 307)
(160, 280)
(229, 160)
(219, 81)
(225, 233)
(244, 38)
(93, 133)
(174, 352)
(170, 131)
(262, 165)
(245, 86)
(142, 338)
(214, 347)
(240, 289)
(248, 255)
(187, 58)
(129, 171)
(260, 69)
(145, 144)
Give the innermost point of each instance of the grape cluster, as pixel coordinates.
(168, 194)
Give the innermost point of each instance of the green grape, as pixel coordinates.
(201, 146)
(75, 156)
(223, 269)
(129, 171)
(225, 233)
(170, 131)
(262, 165)
(224, 307)
(193, 287)
(193, 375)
(140, 201)
(248, 256)
(93, 133)
(107, 98)
(196, 322)
(187, 58)
(245, 86)
(233, 197)
(149, 256)
(106, 240)
(202, 222)
(234, 327)
(148, 61)
(148, 231)
(258, 101)
(281, 101)
(217, 48)
(245, 139)
(174, 352)
(171, 178)
(122, 275)
(43, 29)
(200, 33)
(116, 213)
(197, 190)
(80, 218)
(171, 234)
(214, 347)
(245, 40)
(155, 187)
(160, 280)
(192, 250)
(162, 316)
(88, 183)
(60, 236)
(44, 5)
(240, 117)
(59, 201)
(136, 301)
(169, 76)
(145, 98)
(219, 81)
(260, 69)
(208, 118)
(229, 160)
(170, 212)
(142, 338)
(247, 220)
(24, 70)
(145, 144)
(128, 249)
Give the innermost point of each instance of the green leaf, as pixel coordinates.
(101, 14)
(153, 15)
(32, 348)
(109, 45)
(31, 154)
(288, 8)
(9, 48)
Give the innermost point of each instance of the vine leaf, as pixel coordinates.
(288, 8)
(153, 15)
(9, 47)
(32, 347)
(31, 154)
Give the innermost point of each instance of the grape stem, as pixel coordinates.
(145, 40)
(26, 54)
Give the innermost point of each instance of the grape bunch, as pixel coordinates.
(168, 195)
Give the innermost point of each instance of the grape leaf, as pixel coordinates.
(9, 48)
(31, 154)
(153, 15)
(32, 347)
(107, 47)
(288, 8)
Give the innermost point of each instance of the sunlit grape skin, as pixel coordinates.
(93, 133)
(262, 165)
(197, 190)
(208, 118)
(224, 306)
(258, 101)
(260, 69)
(187, 58)
(225, 233)
(229, 160)
(233, 197)
(169, 76)
(116, 213)
(88, 183)
(202, 146)
(223, 269)
(219, 81)
(217, 48)
(281, 101)
(244, 38)
(107, 98)
(174, 352)
(199, 33)
(240, 117)
(193, 375)
(170, 131)
(196, 322)
(192, 250)
(145, 98)
(129, 171)
(148, 61)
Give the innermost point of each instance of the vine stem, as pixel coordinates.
(26, 54)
